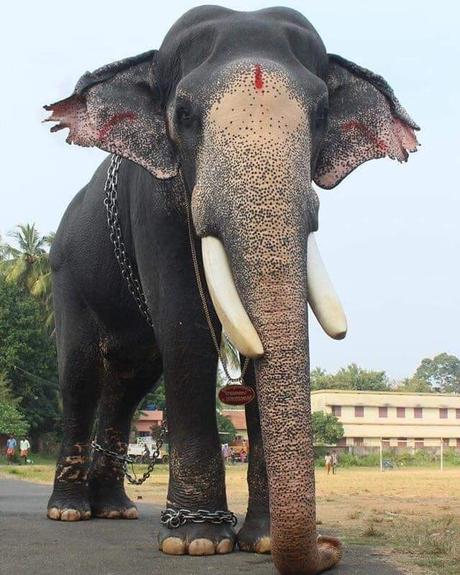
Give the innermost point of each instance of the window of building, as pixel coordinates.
(144, 434)
(457, 413)
(443, 412)
(386, 443)
(418, 412)
(402, 442)
(419, 444)
(383, 411)
(458, 443)
(337, 410)
(359, 411)
(342, 442)
(445, 442)
(359, 441)
(401, 412)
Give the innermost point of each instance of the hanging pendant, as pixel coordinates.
(236, 394)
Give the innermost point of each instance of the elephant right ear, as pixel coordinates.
(117, 108)
(366, 122)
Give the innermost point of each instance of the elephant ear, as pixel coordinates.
(117, 108)
(366, 121)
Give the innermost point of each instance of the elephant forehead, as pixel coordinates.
(256, 103)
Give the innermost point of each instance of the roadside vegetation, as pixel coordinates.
(29, 401)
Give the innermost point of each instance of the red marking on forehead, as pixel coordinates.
(258, 77)
(106, 128)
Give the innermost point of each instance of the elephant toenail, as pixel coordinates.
(264, 545)
(70, 515)
(201, 547)
(54, 513)
(113, 514)
(131, 513)
(173, 546)
(225, 546)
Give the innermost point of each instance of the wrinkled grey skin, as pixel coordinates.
(236, 114)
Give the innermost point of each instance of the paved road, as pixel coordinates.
(104, 547)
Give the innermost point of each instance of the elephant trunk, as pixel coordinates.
(278, 309)
(282, 376)
(272, 285)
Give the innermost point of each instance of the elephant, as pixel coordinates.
(219, 136)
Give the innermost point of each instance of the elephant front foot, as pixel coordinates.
(254, 536)
(69, 502)
(197, 539)
(111, 502)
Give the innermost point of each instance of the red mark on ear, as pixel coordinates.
(258, 77)
(105, 130)
(355, 125)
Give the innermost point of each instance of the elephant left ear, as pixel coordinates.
(366, 122)
(117, 108)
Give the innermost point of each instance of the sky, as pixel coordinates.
(389, 233)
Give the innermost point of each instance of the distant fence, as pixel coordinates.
(390, 458)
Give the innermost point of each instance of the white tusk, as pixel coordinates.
(321, 294)
(227, 303)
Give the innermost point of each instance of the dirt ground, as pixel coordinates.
(411, 514)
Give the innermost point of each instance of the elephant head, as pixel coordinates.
(250, 109)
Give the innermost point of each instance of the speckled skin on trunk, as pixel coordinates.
(236, 114)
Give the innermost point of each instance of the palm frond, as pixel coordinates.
(27, 264)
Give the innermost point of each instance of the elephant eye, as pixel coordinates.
(183, 116)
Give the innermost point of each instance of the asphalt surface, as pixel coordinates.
(32, 544)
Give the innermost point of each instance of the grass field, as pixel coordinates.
(413, 515)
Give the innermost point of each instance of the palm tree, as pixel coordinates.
(28, 265)
(42, 287)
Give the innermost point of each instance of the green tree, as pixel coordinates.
(442, 371)
(28, 357)
(327, 429)
(351, 377)
(225, 428)
(12, 421)
(414, 385)
(156, 397)
(27, 265)
(6, 396)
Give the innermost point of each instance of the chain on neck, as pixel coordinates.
(131, 275)
(116, 236)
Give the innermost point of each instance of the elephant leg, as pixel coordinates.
(197, 475)
(125, 386)
(80, 373)
(254, 535)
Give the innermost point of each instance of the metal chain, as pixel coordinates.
(127, 271)
(173, 518)
(126, 461)
(116, 236)
(169, 517)
(202, 293)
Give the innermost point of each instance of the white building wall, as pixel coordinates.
(371, 427)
